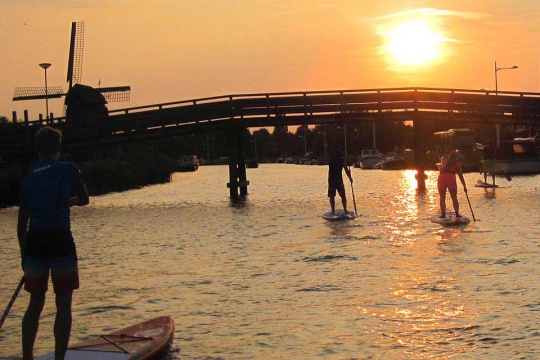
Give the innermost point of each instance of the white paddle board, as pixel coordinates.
(482, 184)
(450, 219)
(144, 341)
(338, 215)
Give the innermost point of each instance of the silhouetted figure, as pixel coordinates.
(335, 180)
(488, 161)
(46, 243)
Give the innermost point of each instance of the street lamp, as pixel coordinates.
(497, 69)
(45, 66)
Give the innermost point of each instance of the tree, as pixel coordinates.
(4, 120)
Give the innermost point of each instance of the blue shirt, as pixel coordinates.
(47, 190)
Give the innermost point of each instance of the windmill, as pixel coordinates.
(81, 100)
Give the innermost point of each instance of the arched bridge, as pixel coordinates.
(233, 113)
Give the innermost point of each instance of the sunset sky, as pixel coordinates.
(170, 50)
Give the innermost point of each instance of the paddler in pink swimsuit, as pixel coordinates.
(447, 180)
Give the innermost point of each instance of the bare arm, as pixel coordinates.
(22, 223)
(348, 172)
(462, 179)
(82, 197)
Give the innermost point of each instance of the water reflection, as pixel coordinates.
(268, 278)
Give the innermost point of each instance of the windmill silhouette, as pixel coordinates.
(81, 100)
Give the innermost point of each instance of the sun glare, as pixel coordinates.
(413, 43)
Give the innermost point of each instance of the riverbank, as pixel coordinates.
(102, 176)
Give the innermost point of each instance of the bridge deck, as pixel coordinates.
(278, 109)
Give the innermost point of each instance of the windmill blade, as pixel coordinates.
(116, 94)
(32, 93)
(76, 48)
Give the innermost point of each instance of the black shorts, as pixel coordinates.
(337, 186)
(49, 243)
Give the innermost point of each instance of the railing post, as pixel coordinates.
(419, 147)
(231, 107)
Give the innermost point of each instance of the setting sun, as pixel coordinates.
(413, 43)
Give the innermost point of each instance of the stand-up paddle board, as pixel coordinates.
(338, 215)
(450, 219)
(144, 341)
(482, 184)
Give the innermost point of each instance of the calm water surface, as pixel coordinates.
(269, 279)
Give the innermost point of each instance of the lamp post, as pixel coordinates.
(497, 69)
(45, 66)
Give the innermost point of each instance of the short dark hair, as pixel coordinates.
(49, 140)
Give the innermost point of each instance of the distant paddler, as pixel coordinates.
(488, 161)
(450, 166)
(335, 180)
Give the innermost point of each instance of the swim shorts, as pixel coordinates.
(446, 181)
(64, 274)
(50, 251)
(336, 186)
(487, 166)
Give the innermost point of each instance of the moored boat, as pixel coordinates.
(394, 162)
(517, 157)
(368, 159)
(252, 164)
(187, 163)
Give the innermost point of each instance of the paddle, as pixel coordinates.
(470, 207)
(505, 173)
(6, 312)
(352, 189)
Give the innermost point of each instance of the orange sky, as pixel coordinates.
(170, 50)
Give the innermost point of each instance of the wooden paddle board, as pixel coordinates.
(482, 184)
(143, 341)
(450, 219)
(339, 215)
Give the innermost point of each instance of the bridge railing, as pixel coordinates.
(289, 108)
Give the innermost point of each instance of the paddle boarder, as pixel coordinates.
(447, 180)
(46, 243)
(488, 161)
(336, 165)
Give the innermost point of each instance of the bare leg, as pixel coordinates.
(493, 178)
(344, 202)
(333, 204)
(453, 195)
(30, 324)
(62, 324)
(442, 201)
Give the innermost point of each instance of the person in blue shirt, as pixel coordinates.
(46, 243)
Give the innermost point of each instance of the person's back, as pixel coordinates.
(488, 152)
(47, 190)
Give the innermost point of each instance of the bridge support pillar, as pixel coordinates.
(237, 165)
(420, 153)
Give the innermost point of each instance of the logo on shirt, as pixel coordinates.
(43, 168)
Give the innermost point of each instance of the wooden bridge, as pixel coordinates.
(233, 113)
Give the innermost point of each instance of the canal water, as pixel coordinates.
(268, 278)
